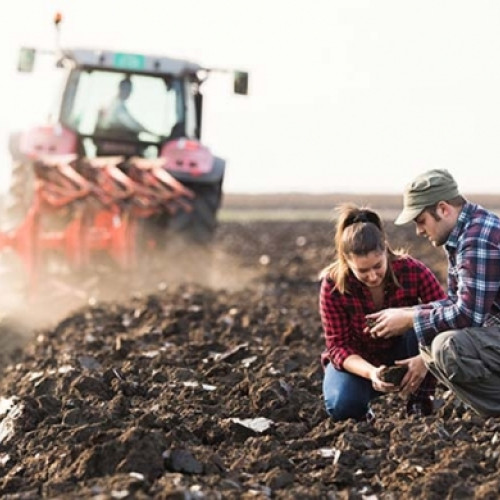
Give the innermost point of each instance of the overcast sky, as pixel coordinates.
(346, 95)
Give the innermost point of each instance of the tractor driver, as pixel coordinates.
(117, 117)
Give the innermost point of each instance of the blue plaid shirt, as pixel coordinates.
(473, 249)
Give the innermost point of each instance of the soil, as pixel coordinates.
(210, 387)
(394, 374)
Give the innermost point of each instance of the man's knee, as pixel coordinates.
(456, 353)
(443, 352)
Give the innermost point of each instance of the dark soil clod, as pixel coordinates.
(394, 374)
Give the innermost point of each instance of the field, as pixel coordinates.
(329, 200)
(199, 378)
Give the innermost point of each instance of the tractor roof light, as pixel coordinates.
(57, 22)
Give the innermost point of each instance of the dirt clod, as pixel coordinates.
(393, 374)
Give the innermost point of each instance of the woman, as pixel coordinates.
(367, 276)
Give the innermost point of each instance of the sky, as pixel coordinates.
(345, 95)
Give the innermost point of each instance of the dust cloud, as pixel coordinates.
(25, 309)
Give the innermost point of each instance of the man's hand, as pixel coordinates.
(414, 376)
(390, 322)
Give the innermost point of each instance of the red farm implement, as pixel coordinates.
(84, 207)
(118, 167)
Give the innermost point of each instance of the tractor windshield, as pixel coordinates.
(132, 107)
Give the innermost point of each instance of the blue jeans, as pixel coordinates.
(347, 395)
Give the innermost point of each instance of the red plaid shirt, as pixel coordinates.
(343, 315)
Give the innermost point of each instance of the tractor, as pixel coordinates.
(120, 167)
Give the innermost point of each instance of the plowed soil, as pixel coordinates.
(206, 384)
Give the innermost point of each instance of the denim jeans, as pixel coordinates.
(347, 395)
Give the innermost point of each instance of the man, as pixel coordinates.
(117, 117)
(459, 336)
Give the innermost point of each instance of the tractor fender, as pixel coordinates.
(188, 160)
(215, 176)
(42, 140)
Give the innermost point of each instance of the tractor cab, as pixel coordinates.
(129, 104)
(116, 103)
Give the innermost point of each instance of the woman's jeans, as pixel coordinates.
(347, 395)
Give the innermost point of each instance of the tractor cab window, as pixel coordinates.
(127, 106)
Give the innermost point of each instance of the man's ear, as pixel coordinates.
(443, 209)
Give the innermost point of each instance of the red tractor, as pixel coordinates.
(120, 168)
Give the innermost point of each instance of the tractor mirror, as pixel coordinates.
(241, 82)
(26, 60)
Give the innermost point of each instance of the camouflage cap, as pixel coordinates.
(424, 191)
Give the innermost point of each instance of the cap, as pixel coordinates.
(426, 190)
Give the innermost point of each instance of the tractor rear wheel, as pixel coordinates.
(183, 238)
(198, 226)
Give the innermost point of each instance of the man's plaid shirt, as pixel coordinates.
(343, 315)
(473, 249)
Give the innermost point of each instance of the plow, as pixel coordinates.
(117, 169)
(84, 207)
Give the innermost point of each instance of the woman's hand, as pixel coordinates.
(378, 384)
(390, 322)
(414, 376)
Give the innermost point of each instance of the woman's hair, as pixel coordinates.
(359, 232)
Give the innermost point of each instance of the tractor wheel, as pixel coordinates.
(182, 238)
(20, 194)
(198, 226)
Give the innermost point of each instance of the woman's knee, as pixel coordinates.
(345, 395)
(342, 407)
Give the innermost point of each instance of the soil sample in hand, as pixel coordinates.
(394, 374)
(370, 322)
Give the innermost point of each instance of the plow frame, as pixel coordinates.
(106, 198)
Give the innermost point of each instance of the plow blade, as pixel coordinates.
(82, 207)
